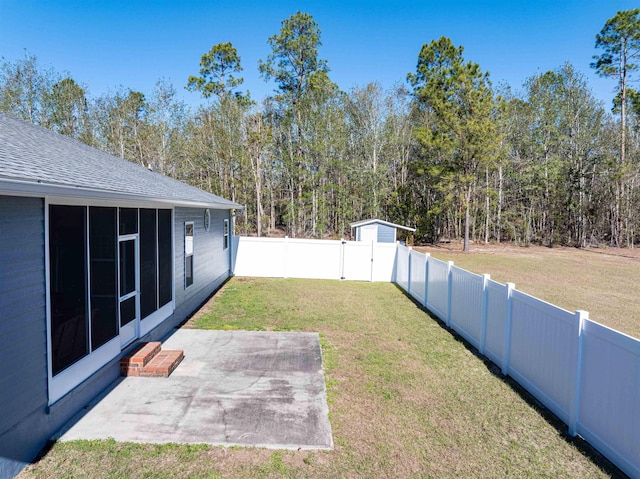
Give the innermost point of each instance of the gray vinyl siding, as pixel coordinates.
(386, 234)
(26, 420)
(22, 442)
(210, 260)
(23, 351)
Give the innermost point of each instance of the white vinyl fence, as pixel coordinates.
(585, 373)
(319, 259)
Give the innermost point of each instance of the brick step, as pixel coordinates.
(139, 358)
(149, 360)
(163, 364)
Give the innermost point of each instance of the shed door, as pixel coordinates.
(369, 233)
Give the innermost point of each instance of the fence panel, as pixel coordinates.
(263, 257)
(384, 262)
(402, 267)
(316, 259)
(438, 288)
(466, 304)
(418, 276)
(497, 304)
(321, 259)
(357, 260)
(609, 401)
(543, 352)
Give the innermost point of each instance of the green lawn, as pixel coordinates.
(406, 398)
(605, 282)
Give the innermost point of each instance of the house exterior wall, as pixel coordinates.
(23, 356)
(27, 421)
(211, 263)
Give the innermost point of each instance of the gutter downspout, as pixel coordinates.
(233, 213)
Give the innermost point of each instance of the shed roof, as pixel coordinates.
(382, 222)
(35, 161)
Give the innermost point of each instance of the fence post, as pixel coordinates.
(574, 412)
(426, 278)
(485, 301)
(342, 243)
(409, 270)
(507, 334)
(449, 289)
(373, 250)
(394, 273)
(286, 254)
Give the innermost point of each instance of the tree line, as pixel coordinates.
(447, 151)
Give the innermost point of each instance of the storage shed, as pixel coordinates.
(97, 254)
(378, 231)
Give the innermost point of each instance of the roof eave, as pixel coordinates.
(37, 189)
(375, 220)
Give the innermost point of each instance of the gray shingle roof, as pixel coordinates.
(37, 156)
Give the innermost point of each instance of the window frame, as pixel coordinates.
(225, 234)
(189, 249)
(207, 219)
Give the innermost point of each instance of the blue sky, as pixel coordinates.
(106, 44)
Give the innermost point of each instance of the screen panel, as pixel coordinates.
(165, 258)
(148, 263)
(103, 235)
(127, 267)
(68, 285)
(128, 221)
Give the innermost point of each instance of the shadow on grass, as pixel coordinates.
(554, 421)
(187, 322)
(44, 451)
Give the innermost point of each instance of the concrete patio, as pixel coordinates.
(245, 388)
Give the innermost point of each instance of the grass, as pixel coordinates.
(406, 398)
(605, 282)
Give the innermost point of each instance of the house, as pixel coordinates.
(97, 254)
(378, 231)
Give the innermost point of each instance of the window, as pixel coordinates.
(225, 237)
(207, 219)
(188, 254)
